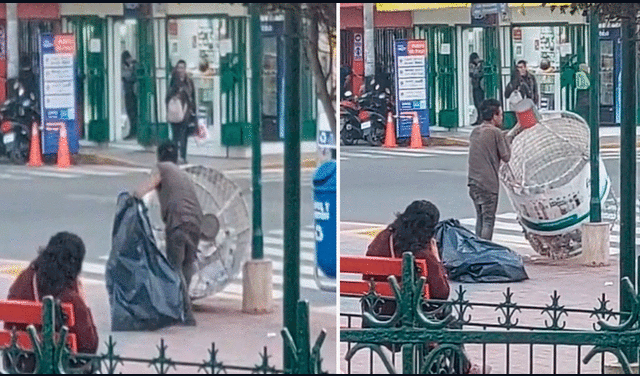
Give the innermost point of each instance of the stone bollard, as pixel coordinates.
(257, 287)
(595, 243)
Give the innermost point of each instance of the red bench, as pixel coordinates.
(378, 268)
(28, 312)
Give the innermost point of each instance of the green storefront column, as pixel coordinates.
(91, 75)
(235, 129)
(147, 131)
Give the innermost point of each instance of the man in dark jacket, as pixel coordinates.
(181, 214)
(524, 82)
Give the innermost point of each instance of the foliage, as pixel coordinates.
(608, 12)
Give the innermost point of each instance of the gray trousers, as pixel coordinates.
(182, 245)
(486, 204)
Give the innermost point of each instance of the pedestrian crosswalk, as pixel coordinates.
(508, 232)
(381, 153)
(22, 173)
(273, 250)
(273, 175)
(614, 153)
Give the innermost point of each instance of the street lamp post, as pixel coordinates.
(256, 136)
(594, 114)
(628, 168)
(291, 267)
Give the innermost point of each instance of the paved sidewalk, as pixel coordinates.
(578, 286)
(239, 337)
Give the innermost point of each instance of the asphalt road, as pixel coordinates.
(375, 183)
(38, 202)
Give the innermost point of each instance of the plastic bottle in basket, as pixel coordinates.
(526, 113)
(547, 181)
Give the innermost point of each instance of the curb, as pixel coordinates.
(96, 159)
(445, 141)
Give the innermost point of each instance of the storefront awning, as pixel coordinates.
(395, 7)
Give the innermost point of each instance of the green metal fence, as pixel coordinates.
(507, 336)
(52, 356)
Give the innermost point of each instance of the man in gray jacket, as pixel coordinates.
(181, 214)
(488, 145)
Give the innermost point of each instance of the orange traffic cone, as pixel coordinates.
(64, 160)
(390, 136)
(35, 155)
(416, 137)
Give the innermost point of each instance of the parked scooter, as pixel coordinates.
(363, 118)
(17, 114)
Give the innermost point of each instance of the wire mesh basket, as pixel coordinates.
(547, 180)
(226, 240)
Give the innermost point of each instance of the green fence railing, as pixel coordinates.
(52, 356)
(436, 336)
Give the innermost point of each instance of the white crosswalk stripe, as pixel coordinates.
(606, 154)
(380, 153)
(508, 232)
(272, 251)
(273, 175)
(73, 172)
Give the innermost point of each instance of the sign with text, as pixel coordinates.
(357, 47)
(58, 88)
(411, 86)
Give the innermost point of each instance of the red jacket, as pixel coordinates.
(436, 273)
(84, 328)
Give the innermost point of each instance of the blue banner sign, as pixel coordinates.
(411, 86)
(58, 88)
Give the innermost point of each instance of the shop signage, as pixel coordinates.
(3, 43)
(58, 88)
(411, 86)
(136, 10)
(489, 14)
(357, 47)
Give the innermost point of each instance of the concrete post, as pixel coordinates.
(595, 243)
(369, 44)
(257, 287)
(13, 59)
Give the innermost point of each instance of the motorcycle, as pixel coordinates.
(17, 115)
(363, 118)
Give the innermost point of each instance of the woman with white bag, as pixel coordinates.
(181, 106)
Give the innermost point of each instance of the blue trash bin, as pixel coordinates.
(324, 213)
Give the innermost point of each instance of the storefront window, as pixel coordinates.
(201, 42)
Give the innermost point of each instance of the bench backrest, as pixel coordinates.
(28, 312)
(374, 267)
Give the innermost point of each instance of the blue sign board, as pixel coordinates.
(411, 86)
(58, 88)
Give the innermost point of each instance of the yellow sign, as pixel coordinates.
(396, 7)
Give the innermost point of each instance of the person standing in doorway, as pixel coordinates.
(488, 145)
(524, 82)
(182, 91)
(129, 80)
(476, 73)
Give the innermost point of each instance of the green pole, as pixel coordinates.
(594, 114)
(256, 137)
(628, 168)
(291, 173)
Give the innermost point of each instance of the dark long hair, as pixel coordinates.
(59, 264)
(414, 229)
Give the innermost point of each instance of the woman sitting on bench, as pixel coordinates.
(55, 272)
(414, 231)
